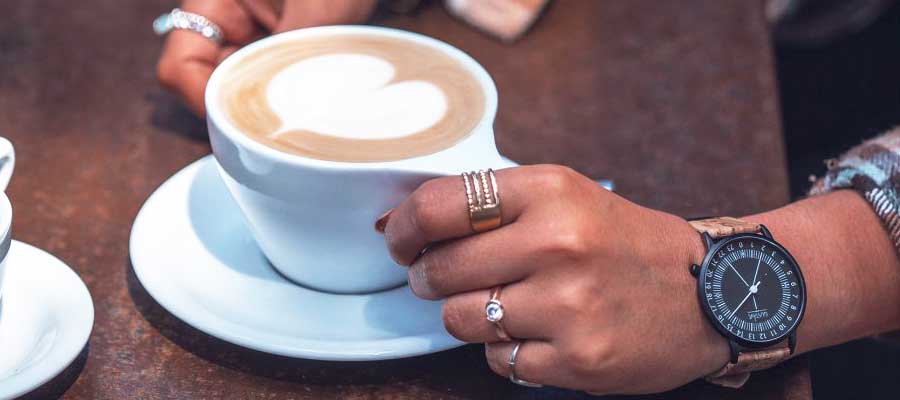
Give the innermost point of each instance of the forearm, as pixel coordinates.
(851, 269)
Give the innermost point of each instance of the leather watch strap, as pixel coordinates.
(735, 374)
(724, 226)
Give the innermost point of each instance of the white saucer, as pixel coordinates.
(192, 251)
(46, 317)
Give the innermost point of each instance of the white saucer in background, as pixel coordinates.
(192, 251)
(46, 316)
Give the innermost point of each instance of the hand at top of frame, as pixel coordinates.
(595, 286)
(188, 59)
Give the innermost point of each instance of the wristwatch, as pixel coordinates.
(751, 290)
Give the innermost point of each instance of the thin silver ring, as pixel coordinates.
(512, 369)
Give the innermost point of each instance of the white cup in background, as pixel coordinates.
(7, 164)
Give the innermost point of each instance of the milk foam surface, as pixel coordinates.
(352, 96)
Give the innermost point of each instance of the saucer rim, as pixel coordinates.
(167, 295)
(38, 374)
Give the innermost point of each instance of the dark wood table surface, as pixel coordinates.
(675, 101)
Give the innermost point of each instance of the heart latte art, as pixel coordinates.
(354, 98)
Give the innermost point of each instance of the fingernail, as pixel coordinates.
(382, 221)
(416, 277)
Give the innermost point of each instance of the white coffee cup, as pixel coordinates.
(7, 164)
(314, 219)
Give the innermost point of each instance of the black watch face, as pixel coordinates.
(752, 290)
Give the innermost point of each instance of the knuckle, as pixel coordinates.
(452, 315)
(431, 280)
(573, 242)
(570, 300)
(423, 209)
(586, 361)
(394, 243)
(495, 359)
(554, 178)
(566, 243)
(395, 250)
(167, 72)
(436, 272)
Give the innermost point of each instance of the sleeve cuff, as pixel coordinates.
(873, 170)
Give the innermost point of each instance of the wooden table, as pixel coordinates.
(676, 101)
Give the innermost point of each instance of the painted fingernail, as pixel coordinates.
(382, 221)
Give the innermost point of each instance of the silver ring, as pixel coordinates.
(178, 19)
(512, 369)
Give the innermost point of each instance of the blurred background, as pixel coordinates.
(838, 64)
(838, 70)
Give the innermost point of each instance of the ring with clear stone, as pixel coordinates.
(512, 369)
(494, 312)
(179, 19)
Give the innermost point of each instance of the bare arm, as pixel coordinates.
(851, 268)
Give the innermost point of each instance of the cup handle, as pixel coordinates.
(7, 162)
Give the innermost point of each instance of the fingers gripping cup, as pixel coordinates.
(7, 163)
(318, 131)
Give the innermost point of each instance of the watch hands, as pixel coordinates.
(739, 275)
(756, 273)
(753, 290)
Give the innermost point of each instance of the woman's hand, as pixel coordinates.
(598, 288)
(188, 59)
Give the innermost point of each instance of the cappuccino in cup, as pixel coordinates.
(319, 131)
(353, 98)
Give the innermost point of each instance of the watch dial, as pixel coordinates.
(753, 289)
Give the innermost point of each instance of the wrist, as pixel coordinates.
(713, 351)
(851, 269)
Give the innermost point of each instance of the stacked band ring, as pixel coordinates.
(483, 198)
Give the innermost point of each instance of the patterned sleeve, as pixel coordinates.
(873, 170)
